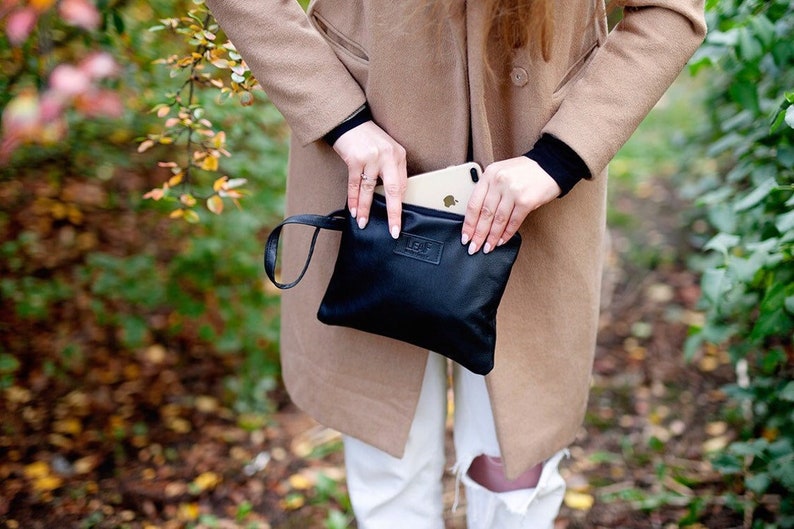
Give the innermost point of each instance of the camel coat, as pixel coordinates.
(427, 85)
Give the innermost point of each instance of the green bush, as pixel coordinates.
(84, 258)
(748, 278)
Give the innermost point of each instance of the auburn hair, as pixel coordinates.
(519, 23)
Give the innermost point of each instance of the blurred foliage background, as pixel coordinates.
(107, 102)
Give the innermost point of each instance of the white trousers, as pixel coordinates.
(391, 493)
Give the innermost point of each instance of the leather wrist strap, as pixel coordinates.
(333, 221)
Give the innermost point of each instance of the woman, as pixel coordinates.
(540, 95)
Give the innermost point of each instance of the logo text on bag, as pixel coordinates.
(420, 248)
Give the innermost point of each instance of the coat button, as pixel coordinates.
(519, 76)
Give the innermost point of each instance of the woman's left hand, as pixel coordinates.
(506, 193)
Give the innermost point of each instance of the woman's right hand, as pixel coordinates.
(370, 153)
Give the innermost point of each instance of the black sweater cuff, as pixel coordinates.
(560, 161)
(362, 115)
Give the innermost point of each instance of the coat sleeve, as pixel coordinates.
(298, 70)
(639, 60)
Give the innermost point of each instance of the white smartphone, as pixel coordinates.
(445, 189)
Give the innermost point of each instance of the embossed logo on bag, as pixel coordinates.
(420, 248)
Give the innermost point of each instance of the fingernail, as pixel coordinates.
(501, 242)
(486, 248)
(362, 222)
(395, 232)
(353, 212)
(464, 239)
(472, 249)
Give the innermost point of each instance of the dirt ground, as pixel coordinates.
(150, 440)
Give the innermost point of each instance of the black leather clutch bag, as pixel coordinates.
(422, 288)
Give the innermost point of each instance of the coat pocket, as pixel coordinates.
(575, 71)
(352, 54)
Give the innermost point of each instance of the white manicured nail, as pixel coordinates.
(472, 249)
(353, 212)
(362, 222)
(395, 232)
(464, 239)
(501, 242)
(486, 248)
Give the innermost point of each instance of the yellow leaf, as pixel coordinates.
(207, 481)
(191, 216)
(215, 204)
(299, 482)
(69, 425)
(188, 511)
(155, 194)
(219, 140)
(219, 183)
(177, 214)
(579, 500)
(210, 163)
(163, 112)
(36, 470)
(175, 180)
(47, 483)
(187, 200)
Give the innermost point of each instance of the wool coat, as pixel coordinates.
(429, 86)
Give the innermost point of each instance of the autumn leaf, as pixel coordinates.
(579, 501)
(219, 184)
(215, 204)
(145, 146)
(210, 163)
(188, 511)
(155, 194)
(205, 481)
(190, 216)
(188, 200)
(234, 183)
(176, 179)
(300, 482)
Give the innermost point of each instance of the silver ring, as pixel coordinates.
(364, 177)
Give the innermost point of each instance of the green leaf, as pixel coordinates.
(692, 346)
(8, 363)
(722, 242)
(336, 520)
(771, 324)
(789, 304)
(727, 463)
(749, 47)
(713, 284)
(756, 195)
(764, 30)
(785, 222)
(754, 448)
(758, 483)
(788, 392)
